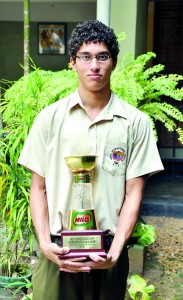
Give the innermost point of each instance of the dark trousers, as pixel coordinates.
(49, 283)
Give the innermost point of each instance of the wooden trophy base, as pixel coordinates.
(82, 243)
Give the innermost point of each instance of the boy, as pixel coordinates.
(92, 121)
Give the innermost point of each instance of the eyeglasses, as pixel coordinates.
(88, 58)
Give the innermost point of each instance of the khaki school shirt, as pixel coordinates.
(122, 138)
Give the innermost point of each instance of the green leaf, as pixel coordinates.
(144, 233)
(138, 288)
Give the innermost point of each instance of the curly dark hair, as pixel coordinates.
(93, 31)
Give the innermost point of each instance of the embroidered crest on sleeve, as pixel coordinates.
(117, 156)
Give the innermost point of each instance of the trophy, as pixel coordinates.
(83, 236)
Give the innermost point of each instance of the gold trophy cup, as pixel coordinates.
(83, 236)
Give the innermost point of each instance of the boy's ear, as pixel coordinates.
(114, 64)
(73, 64)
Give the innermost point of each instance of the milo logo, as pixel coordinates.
(82, 219)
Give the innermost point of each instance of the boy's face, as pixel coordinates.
(94, 75)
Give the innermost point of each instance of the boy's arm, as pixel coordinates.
(128, 215)
(40, 217)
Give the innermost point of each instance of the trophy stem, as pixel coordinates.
(80, 187)
(82, 215)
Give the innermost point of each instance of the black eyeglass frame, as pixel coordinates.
(96, 56)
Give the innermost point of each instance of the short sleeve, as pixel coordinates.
(144, 157)
(33, 155)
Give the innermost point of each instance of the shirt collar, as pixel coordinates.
(74, 100)
(113, 108)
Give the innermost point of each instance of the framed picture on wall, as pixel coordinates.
(52, 38)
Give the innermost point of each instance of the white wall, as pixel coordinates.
(58, 12)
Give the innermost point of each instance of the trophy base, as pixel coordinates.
(82, 243)
(72, 254)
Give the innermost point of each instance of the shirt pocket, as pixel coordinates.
(114, 158)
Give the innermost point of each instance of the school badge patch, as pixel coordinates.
(117, 155)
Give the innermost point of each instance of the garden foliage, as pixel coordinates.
(145, 88)
(148, 89)
(138, 288)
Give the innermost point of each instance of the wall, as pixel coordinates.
(123, 19)
(11, 33)
(53, 11)
(130, 17)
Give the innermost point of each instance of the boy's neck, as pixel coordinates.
(94, 102)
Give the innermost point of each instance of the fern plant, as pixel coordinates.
(22, 101)
(149, 90)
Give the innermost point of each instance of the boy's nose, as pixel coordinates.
(94, 63)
